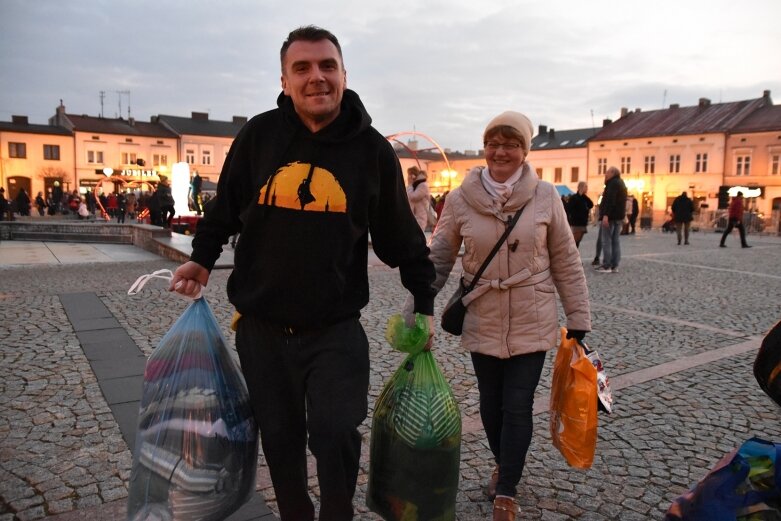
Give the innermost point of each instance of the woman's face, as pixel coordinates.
(503, 155)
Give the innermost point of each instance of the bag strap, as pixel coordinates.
(509, 227)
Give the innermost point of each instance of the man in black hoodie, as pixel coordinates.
(305, 184)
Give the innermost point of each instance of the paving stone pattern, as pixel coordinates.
(62, 453)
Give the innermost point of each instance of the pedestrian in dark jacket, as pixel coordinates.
(4, 206)
(305, 184)
(578, 208)
(735, 221)
(22, 202)
(612, 208)
(683, 213)
(40, 204)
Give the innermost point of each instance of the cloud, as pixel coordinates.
(442, 67)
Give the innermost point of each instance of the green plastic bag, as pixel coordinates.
(415, 443)
(407, 339)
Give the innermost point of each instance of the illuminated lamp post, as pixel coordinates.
(180, 186)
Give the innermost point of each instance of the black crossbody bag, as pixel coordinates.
(455, 310)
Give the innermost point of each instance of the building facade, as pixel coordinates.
(34, 157)
(662, 153)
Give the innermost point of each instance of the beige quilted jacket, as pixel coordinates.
(512, 311)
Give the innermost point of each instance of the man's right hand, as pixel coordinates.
(188, 279)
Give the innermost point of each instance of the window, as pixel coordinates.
(580, 141)
(51, 152)
(159, 160)
(17, 150)
(539, 172)
(701, 163)
(601, 165)
(743, 165)
(649, 164)
(95, 156)
(557, 175)
(574, 173)
(564, 143)
(626, 165)
(675, 163)
(128, 158)
(774, 164)
(189, 155)
(206, 157)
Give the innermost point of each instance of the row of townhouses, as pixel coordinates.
(707, 150)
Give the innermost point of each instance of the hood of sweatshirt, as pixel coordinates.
(351, 121)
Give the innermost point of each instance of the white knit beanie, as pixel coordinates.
(517, 121)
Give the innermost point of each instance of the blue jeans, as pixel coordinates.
(610, 245)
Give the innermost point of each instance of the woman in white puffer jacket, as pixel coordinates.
(511, 319)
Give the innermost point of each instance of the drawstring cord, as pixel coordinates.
(159, 274)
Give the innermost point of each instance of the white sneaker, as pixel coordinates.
(603, 269)
(614, 270)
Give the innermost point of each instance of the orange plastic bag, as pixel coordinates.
(573, 404)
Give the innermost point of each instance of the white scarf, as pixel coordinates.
(500, 191)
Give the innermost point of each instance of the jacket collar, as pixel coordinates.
(478, 198)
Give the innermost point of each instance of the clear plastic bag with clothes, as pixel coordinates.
(197, 442)
(416, 436)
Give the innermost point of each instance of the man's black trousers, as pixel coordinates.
(308, 382)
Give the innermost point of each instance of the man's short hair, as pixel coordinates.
(613, 170)
(308, 33)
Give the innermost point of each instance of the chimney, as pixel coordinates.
(239, 120)
(624, 111)
(766, 95)
(131, 121)
(674, 106)
(638, 110)
(200, 116)
(551, 134)
(543, 130)
(19, 120)
(704, 102)
(606, 122)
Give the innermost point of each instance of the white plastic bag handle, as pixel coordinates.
(159, 274)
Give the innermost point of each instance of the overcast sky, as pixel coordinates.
(441, 67)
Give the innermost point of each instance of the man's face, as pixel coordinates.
(314, 77)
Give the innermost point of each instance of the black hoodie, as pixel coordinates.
(301, 260)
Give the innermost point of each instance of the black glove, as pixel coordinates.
(576, 334)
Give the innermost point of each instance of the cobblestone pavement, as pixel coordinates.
(61, 450)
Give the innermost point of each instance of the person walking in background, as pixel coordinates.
(579, 208)
(735, 214)
(195, 192)
(40, 204)
(23, 203)
(683, 213)
(418, 195)
(633, 213)
(300, 278)
(511, 319)
(612, 209)
(121, 207)
(4, 206)
(166, 200)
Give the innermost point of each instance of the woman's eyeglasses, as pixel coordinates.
(510, 147)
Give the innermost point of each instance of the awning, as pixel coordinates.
(564, 190)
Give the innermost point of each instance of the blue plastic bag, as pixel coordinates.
(197, 444)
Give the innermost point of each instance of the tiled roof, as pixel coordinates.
(558, 139)
(704, 118)
(766, 119)
(202, 126)
(118, 126)
(34, 129)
